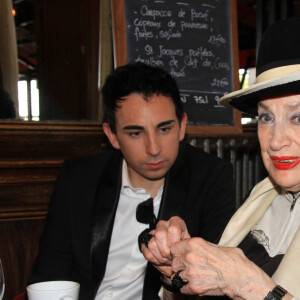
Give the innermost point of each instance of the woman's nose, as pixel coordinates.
(280, 137)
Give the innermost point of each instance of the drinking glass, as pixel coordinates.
(2, 282)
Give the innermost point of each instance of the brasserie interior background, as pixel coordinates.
(64, 48)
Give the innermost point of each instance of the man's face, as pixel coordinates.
(148, 135)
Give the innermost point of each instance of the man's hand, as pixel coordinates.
(158, 251)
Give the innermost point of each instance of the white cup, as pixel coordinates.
(53, 290)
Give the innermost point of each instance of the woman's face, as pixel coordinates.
(279, 137)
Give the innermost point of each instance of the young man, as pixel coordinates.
(93, 224)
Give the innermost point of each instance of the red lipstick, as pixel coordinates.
(285, 162)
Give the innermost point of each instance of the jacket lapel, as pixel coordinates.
(104, 210)
(173, 198)
(175, 187)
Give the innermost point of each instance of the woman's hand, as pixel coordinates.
(158, 251)
(214, 270)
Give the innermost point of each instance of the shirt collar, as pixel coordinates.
(125, 177)
(127, 185)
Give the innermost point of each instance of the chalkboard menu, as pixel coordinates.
(191, 39)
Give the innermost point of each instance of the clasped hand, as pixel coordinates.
(209, 269)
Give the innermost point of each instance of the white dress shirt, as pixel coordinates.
(126, 266)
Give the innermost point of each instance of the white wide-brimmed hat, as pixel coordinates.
(277, 67)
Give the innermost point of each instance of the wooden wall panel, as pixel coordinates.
(31, 155)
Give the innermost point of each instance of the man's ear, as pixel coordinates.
(110, 135)
(183, 126)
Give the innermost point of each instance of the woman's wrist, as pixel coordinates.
(252, 289)
(277, 293)
(280, 293)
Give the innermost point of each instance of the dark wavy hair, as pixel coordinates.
(137, 78)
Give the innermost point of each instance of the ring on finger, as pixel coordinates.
(145, 237)
(177, 281)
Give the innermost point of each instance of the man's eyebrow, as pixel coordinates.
(133, 127)
(164, 123)
(138, 127)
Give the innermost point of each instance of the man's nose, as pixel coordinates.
(153, 145)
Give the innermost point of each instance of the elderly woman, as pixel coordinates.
(258, 256)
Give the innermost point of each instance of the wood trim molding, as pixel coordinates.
(50, 126)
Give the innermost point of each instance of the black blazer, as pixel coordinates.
(76, 238)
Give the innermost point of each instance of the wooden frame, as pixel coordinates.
(120, 58)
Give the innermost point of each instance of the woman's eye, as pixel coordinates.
(296, 119)
(265, 118)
